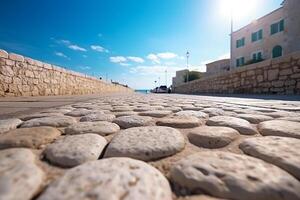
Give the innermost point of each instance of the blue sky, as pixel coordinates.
(129, 41)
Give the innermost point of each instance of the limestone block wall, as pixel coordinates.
(21, 76)
(275, 76)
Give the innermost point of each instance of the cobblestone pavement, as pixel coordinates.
(153, 147)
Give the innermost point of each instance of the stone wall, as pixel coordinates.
(275, 76)
(21, 76)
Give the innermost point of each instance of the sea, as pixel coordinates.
(145, 91)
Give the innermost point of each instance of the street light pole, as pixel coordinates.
(166, 78)
(187, 65)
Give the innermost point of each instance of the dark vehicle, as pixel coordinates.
(161, 89)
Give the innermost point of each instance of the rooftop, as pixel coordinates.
(217, 61)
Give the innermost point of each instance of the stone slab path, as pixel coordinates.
(164, 147)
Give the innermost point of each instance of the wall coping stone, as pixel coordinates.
(16, 57)
(29, 61)
(3, 54)
(59, 69)
(47, 66)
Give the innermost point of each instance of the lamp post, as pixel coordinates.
(187, 65)
(166, 73)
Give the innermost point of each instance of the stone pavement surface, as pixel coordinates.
(150, 147)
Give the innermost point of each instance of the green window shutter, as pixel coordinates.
(242, 61)
(273, 29)
(240, 43)
(260, 34)
(237, 62)
(259, 56)
(281, 25)
(277, 51)
(254, 37)
(254, 56)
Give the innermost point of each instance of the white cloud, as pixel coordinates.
(135, 59)
(117, 59)
(69, 44)
(123, 60)
(154, 70)
(76, 47)
(60, 54)
(125, 64)
(154, 58)
(99, 48)
(167, 55)
(66, 42)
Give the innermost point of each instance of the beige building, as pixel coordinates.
(179, 78)
(217, 67)
(273, 35)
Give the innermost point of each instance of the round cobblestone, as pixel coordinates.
(28, 137)
(234, 176)
(9, 124)
(180, 122)
(280, 151)
(54, 121)
(133, 121)
(110, 179)
(146, 143)
(241, 125)
(75, 149)
(212, 136)
(156, 113)
(97, 117)
(20, 177)
(280, 128)
(101, 128)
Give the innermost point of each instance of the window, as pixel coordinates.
(257, 56)
(277, 51)
(240, 61)
(277, 27)
(257, 35)
(240, 43)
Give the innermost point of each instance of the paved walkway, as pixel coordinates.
(15, 106)
(151, 147)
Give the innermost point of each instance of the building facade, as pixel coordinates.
(179, 78)
(217, 67)
(271, 36)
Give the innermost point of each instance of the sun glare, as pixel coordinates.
(238, 8)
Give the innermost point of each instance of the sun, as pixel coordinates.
(237, 8)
